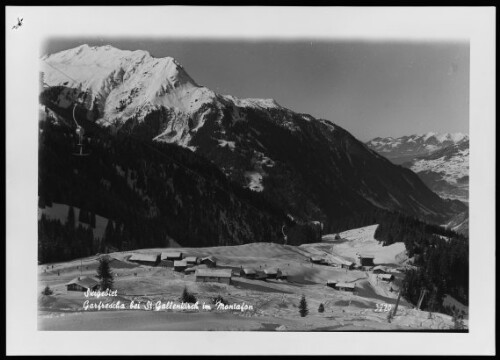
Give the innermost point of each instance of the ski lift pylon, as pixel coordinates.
(79, 132)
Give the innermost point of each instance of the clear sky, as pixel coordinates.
(369, 88)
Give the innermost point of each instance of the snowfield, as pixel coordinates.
(126, 84)
(362, 241)
(274, 302)
(452, 169)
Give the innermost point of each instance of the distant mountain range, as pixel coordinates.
(441, 160)
(310, 168)
(406, 148)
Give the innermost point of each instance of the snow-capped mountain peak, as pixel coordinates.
(132, 83)
(120, 85)
(126, 83)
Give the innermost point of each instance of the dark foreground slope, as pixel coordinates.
(151, 191)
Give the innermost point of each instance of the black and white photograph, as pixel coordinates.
(198, 171)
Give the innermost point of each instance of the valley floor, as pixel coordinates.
(274, 303)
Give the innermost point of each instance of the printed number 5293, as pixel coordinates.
(383, 307)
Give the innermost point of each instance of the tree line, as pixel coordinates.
(150, 192)
(440, 256)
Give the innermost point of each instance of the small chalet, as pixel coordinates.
(191, 260)
(345, 286)
(210, 261)
(248, 273)
(347, 265)
(167, 263)
(82, 283)
(379, 269)
(212, 275)
(145, 259)
(171, 255)
(331, 283)
(180, 265)
(260, 275)
(282, 275)
(366, 260)
(385, 277)
(317, 260)
(271, 273)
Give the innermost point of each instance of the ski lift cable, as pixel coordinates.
(69, 77)
(158, 151)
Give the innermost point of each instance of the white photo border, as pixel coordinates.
(23, 45)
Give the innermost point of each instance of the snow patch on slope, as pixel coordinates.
(362, 241)
(452, 169)
(252, 102)
(254, 179)
(230, 144)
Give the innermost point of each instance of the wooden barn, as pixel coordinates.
(379, 269)
(171, 255)
(331, 283)
(317, 260)
(282, 275)
(347, 265)
(366, 260)
(180, 265)
(260, 275)
(82, 283)
(191, 260)
(190, 270)
(145, 259)
(249, 273)
(271, 273)
(210, 261)
(167, 263)
(385, 277)
(212, 275)
(345, 286)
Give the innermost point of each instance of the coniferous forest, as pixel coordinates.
(440, 256)
(150, 192)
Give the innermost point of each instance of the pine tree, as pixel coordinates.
(303, 306)
(109, 232)
(118, 235)
(104, 274)
(47, 291)
(321, 308)
(187, 297)
(83, 217)
(41, 202)
(71, 218)
(458, 322)
(389, 316)
(92, 220)
(95, 109)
